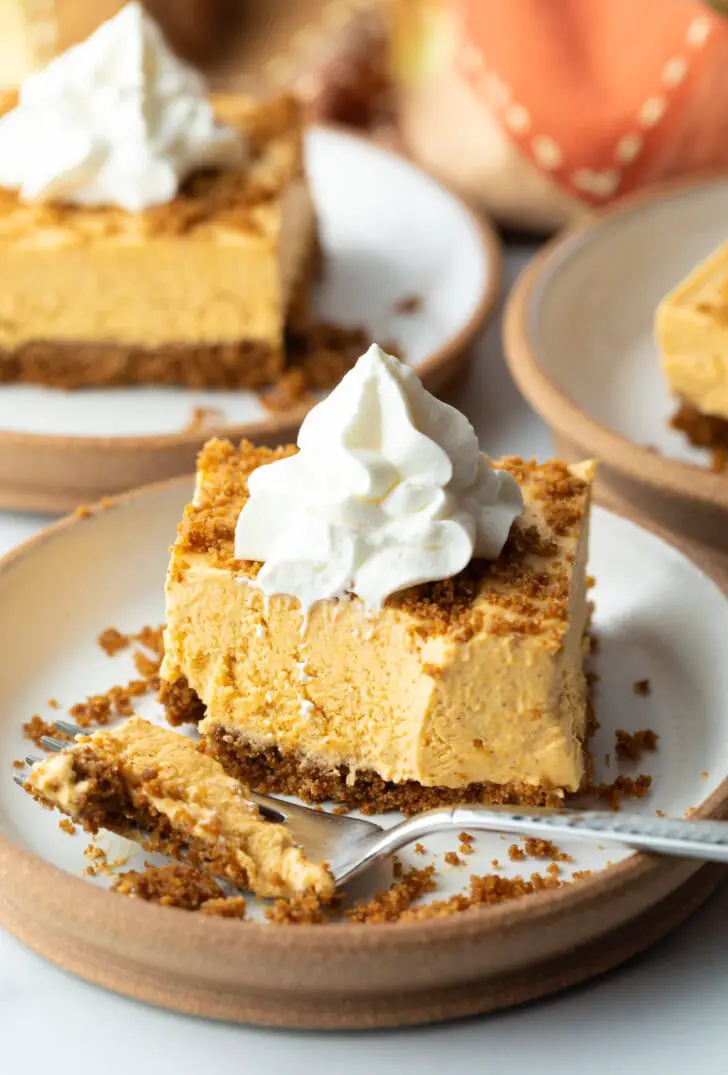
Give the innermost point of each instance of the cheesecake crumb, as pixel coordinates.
(19, 764)
(537, 848)
(516, 853)
(581, 875)
(305, 909)
(484, 891)
(660, 813)
(100, 709)
(495, 864)
(642, 687)
(35, 728)
(630, 746)
(317, 357)
(624, 787)
(419, 848)
(466, 843)
(83, 511)
(392, 903)
(202, 418)
(152, 638)
(53, 703)
(705, 774)
(453, 859)
(340, 811)
(97, 861)
(66, 825)
(227, 907)
(146, 666)
(113, 641)
(174, 885)
(409, 304)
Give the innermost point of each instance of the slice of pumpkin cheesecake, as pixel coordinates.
(383, 617)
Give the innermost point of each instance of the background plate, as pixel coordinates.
(580, 342)
(388, 231)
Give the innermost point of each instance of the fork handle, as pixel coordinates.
(706, 840)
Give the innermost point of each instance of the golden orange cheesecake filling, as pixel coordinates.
(692, 333)
(142, 778)
(197, 290)
(468, 689)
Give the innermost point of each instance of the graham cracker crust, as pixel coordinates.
(70, 364)
(269, 770)
(181, 703)
(702, 430)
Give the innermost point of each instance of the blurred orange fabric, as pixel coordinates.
(602, 95)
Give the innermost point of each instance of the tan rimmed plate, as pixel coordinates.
(658, 617)
(388, 231)
(579, 340)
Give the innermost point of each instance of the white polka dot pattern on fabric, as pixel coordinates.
(547, 152)
(698, 31)
(597, 184)
(628, 148)
(652, 111)
(495, 89)
(518, 119)
(674, 71)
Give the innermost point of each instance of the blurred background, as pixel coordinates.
(537, 111)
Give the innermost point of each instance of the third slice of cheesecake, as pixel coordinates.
(692, 333)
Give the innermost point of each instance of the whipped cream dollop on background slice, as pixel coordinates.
(389, 489)
(116, 120)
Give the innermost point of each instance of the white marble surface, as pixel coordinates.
(664, 1012)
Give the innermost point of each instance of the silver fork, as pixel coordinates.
(351, 845)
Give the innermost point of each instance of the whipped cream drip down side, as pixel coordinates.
(389, 489)
(116, 120)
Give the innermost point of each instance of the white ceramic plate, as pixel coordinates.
(591, 311)
(657, 618)
(388, 231)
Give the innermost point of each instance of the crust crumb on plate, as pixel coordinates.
(623, 787)
(630, 746)
(35, 728)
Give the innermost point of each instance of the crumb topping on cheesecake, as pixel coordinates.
(526, 584)
(232, 200)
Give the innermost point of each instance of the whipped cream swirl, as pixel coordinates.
(116, 120)
(389, 489)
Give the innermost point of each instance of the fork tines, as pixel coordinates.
(65, 727)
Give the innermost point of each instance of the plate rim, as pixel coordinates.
(628, 458)
(53, 887)
(432, 369)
